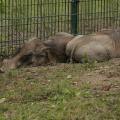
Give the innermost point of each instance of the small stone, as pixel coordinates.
(75, 83)
(2, 100)
(69, 76)
(49, 80)
(89, 74)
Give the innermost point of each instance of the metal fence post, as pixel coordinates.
(74, 16)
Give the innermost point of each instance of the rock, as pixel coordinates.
(69, 76)
(2, 100)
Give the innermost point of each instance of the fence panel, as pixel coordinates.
(97, 14)
(22, 19)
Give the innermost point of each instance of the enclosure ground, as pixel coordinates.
(62, 92)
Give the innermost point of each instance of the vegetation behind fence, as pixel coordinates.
(22, 19)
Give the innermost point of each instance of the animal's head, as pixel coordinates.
(42, 56)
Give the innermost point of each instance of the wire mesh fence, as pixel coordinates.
(22, 19)
(97, 14)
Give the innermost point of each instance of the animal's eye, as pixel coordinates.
(41, 55)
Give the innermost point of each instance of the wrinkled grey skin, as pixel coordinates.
(100, 46)
(36, 52)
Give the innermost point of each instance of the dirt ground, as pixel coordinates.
(103, 72)
(62, 92)
(105, 77)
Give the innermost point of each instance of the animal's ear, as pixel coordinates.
(50, 55)
(46, 49)
(17, 50)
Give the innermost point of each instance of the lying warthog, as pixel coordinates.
(99, 46)
(38, 52)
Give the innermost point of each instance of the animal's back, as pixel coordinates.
(57, 44)
(96, 46)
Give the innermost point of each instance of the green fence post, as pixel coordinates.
(74, 16)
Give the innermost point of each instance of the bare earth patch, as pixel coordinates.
(62, 92)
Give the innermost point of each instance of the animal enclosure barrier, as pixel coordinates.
(22, 19)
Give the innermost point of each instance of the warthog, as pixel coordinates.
(36, 52)
(99, 46)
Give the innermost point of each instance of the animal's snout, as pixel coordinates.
(4, 66)
(2, 70)
(7, 65)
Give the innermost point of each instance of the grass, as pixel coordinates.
(57, 93)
